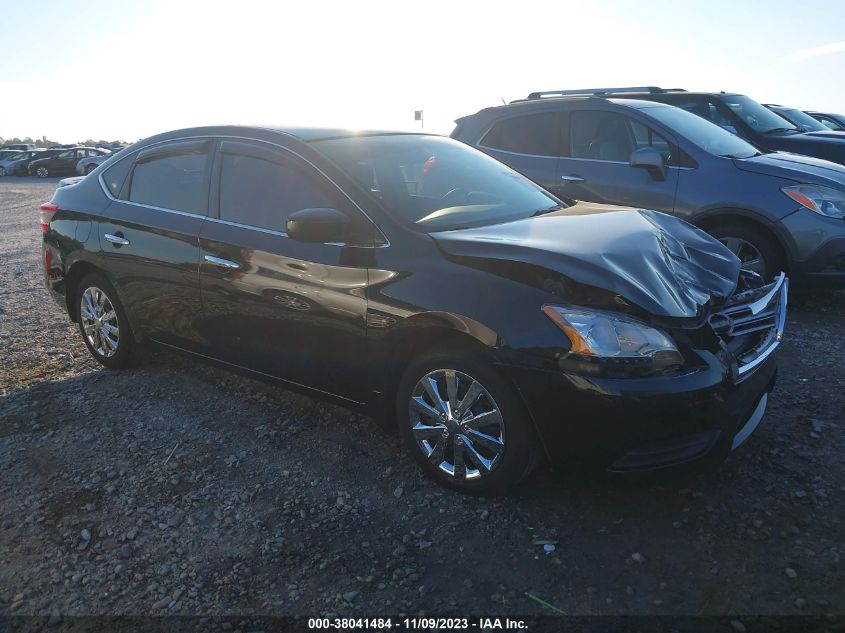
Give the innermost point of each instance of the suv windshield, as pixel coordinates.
(434, 183)
(701, 132)
(758, 117)
(805, 120)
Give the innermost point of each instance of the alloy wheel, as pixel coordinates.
(42, 172)
(748, 254)
(99, 321)
(457, 424)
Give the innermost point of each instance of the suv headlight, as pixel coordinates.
(603, 341)
(822, 200)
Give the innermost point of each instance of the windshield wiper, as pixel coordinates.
(556, 207)
(780, 130)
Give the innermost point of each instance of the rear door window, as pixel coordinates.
(535, 134)
(172, 177)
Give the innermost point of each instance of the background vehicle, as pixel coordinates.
(803, 121)
(63, 163)
(835, 122)
(745, 117)
(86, 165)
(21, 147)
(415, 277)
(21, 167)
(650, 155)
(12, 164)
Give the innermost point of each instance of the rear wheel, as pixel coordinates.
(103, 323)
(756, 250)
(2, 171)
(42, 172)
(465, 425)
(89, 169)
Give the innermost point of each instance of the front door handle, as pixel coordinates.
(572, 178)
(224, 263)
(118, 240)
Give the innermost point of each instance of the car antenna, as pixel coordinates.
(503, 101)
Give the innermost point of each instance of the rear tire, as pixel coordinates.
(42, 172)
(757, 250)
(89, 169)
(2, 171)
(484, 444)
(103, 323)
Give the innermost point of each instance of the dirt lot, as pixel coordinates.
(179, 488)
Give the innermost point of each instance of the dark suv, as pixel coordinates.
(776, 211)
(419, 279)
(745, 117)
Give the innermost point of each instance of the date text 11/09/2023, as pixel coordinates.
(419, 623)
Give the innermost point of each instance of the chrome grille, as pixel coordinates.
(751, 323)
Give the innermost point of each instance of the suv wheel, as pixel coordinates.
(465, 425)
(756, 250)
(103, 323)
(42, 172)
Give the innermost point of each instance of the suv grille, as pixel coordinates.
(750, 323)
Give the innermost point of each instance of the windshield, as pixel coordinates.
(758, 117)
(434, 183)
(804, 120)
(701, 132)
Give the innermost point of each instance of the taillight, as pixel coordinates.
(47, 211)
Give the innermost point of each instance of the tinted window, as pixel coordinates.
(531, 134)
(264, 193)
(68, 155)
(115, 176)
(171, 181)
(803, 119)
(600, 135)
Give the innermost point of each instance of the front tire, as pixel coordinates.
(103, 323)
(756, 250)
(42, 172)
(465, 425)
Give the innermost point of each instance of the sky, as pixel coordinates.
(119, 69)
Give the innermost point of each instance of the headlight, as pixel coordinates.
(607, 340)
(822, 200)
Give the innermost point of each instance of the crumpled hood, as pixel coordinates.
(804, 169)
(655, 261)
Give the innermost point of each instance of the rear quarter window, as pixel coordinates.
(115, 175)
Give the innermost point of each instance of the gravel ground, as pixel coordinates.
(180, 488)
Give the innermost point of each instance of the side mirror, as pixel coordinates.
(650, 159)
(318, 225)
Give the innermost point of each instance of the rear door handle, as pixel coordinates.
(572, 178)
(224, 263)
(116, 239)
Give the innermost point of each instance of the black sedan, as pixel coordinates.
(422, 281)
(62, 163)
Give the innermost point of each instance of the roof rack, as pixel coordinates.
(598, 92)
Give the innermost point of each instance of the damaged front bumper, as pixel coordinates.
(634, 424)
